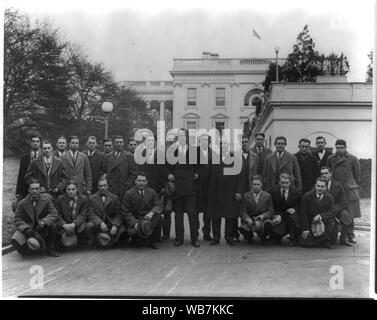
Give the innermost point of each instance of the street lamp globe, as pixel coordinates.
(107, 107)
(277, 49)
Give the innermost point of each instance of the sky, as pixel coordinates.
(138, 40)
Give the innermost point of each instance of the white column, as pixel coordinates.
(162, 110)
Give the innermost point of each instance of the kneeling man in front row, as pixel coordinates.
(104, 218)
(73, 210)
(34, 219)
(317, 210)
(141, 209)
(256, 212)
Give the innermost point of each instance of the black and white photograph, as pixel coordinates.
(188, 149)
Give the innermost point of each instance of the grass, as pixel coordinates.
(10, 172)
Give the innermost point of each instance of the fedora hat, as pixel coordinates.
(144, 228)
(69, 239)
(104, 240)
(258, 227)
(318, 228)
(36, 243)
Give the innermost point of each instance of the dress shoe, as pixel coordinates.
(352, 240)
(327, 245)
(52, 253)
(164, 237)
(196, 244)
(345, 243)
(178, 243)
(207, 238)
(214, 242)
(154, 245)
(231, 242)
(237, 239)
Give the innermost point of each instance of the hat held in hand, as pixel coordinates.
(318, 228)
(69, 239)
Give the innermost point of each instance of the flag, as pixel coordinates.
(255, 34)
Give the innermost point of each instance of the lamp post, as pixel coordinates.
(277, 63)
(107, 107)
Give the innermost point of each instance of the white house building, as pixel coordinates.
(212, 92)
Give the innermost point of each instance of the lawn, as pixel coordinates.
(10, 172)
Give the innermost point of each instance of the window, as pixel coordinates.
(220, 97)
(191, 96)
(257, 103)
(191, 125)
(220, 126)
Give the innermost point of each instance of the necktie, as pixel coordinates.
(283, 196)
(74, 156)
(48, 163)
(259, 151)
(319, 198)
(142, 193)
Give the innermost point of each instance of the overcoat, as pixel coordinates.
(222, 189)
(108, 212)
(323, 162)
(62, 205)
(97, 164)
(121, 172)
(55, 177)
(308, 169)
(346, 170)
(45, 212)
(288, 164)
(249, 169)
(22, 188)
(249, 208)
(80, 171)
(261, 157)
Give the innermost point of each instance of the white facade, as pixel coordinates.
(223, 93)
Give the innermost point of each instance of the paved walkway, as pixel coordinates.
(240, 271)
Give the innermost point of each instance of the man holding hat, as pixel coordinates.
(141, 209)
(104, 219)
(317, 206)
(73, 209)
(256, 211)
(286, 200)
(34, 219)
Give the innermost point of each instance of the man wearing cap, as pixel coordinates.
(261, 151)
(345, 169)
(278, 162)
(120, 168)
(34, 219)
(340, 200)
(286, 200)
(104, 220)
(308, 165)
(77, 166)
(141, 209)
(22, 187)
(317, 206)
(256, 211)
(48, 170)
(73, 209)
(96, 161)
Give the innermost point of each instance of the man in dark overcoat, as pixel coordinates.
(308, 165)
(345, 169)
(142, 203)
(261, 151)
(316, 206)
(22, 188)
(321, 154)
(96, 161)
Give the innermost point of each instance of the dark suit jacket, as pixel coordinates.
(308, 169)
(55, 178)
(156, 173)
(184, 175)
(310, 207)
(62, 205)
(79, 172)
(323, 162)
(97, 164)
(134, 206)
(45, 212)
(204, 163)
(249, 208)
(261, 158)
(249, 169)
(108, 212)
(293, 200)
(22, 188)
(121, 172)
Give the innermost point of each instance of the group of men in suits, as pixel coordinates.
(101, 197)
